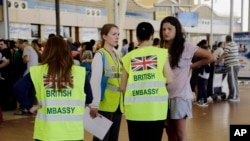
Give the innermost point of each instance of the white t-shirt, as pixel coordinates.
(217, 54)
(180, 87)
(124, 49)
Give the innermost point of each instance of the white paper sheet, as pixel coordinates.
(98, 126)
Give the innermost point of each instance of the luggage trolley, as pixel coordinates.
(220, 73)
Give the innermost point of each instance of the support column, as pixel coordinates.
(122, 13)
(116, 10)
(4, 25)
(245, 15)
(231, 17)
(248, 16)
(242, 15)
(110, 6)
(57, 7)
(211, 24)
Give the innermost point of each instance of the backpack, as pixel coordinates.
(87, 87)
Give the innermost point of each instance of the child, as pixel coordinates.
(203, 76)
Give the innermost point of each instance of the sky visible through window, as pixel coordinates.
(222, 8)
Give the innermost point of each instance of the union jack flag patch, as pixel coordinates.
(144, 63)
(47, 82)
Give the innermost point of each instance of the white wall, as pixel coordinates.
(47, 17)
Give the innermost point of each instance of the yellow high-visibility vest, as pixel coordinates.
(146, 96)
(61, 114)
(112, 96)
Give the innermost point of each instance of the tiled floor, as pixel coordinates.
(208, 124)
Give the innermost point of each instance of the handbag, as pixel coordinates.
(87, 86)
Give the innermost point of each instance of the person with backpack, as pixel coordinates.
(107, 63)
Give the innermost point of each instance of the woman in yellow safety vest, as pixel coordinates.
(106, 63)
(146, 71)
(59, 86)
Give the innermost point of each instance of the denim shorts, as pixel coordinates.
(179, 108)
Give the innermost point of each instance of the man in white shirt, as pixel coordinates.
(218, 52)
(29, 56)
(231, 60)
(124, 47)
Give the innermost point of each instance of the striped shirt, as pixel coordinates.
(232, 57)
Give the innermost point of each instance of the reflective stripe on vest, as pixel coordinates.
(113, 97)
(49, 103)
(146, 96)
(115, 75)
(135, 99)
(112, 88)
(65, 110)
(59, 117)
(145, 85)
(62, 103)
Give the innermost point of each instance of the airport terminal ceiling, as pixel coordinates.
(132, 5)
(146, 6)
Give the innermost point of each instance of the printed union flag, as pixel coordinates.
(47, 82)
(144, 63)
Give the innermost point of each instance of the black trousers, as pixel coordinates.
(145, 130)
(113, 133)
(7, 99)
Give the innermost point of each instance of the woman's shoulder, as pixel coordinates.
(189, 45)
(189, 48)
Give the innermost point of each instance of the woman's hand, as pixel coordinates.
(34, 108)
(93, 112)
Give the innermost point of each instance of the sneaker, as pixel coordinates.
(202, 104)
(197, 102)
(234, 100)
(205, 104)
(22, 112)
(210, 99)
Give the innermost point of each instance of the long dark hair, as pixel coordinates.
(57, 56)
(177, 47)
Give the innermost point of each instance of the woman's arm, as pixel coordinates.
(168, 73)
(95, 80)
(124, 80)
(206, 58)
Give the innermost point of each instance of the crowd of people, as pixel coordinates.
(150, 84)
(226, 64)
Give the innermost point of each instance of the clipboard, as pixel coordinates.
(98, 126)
